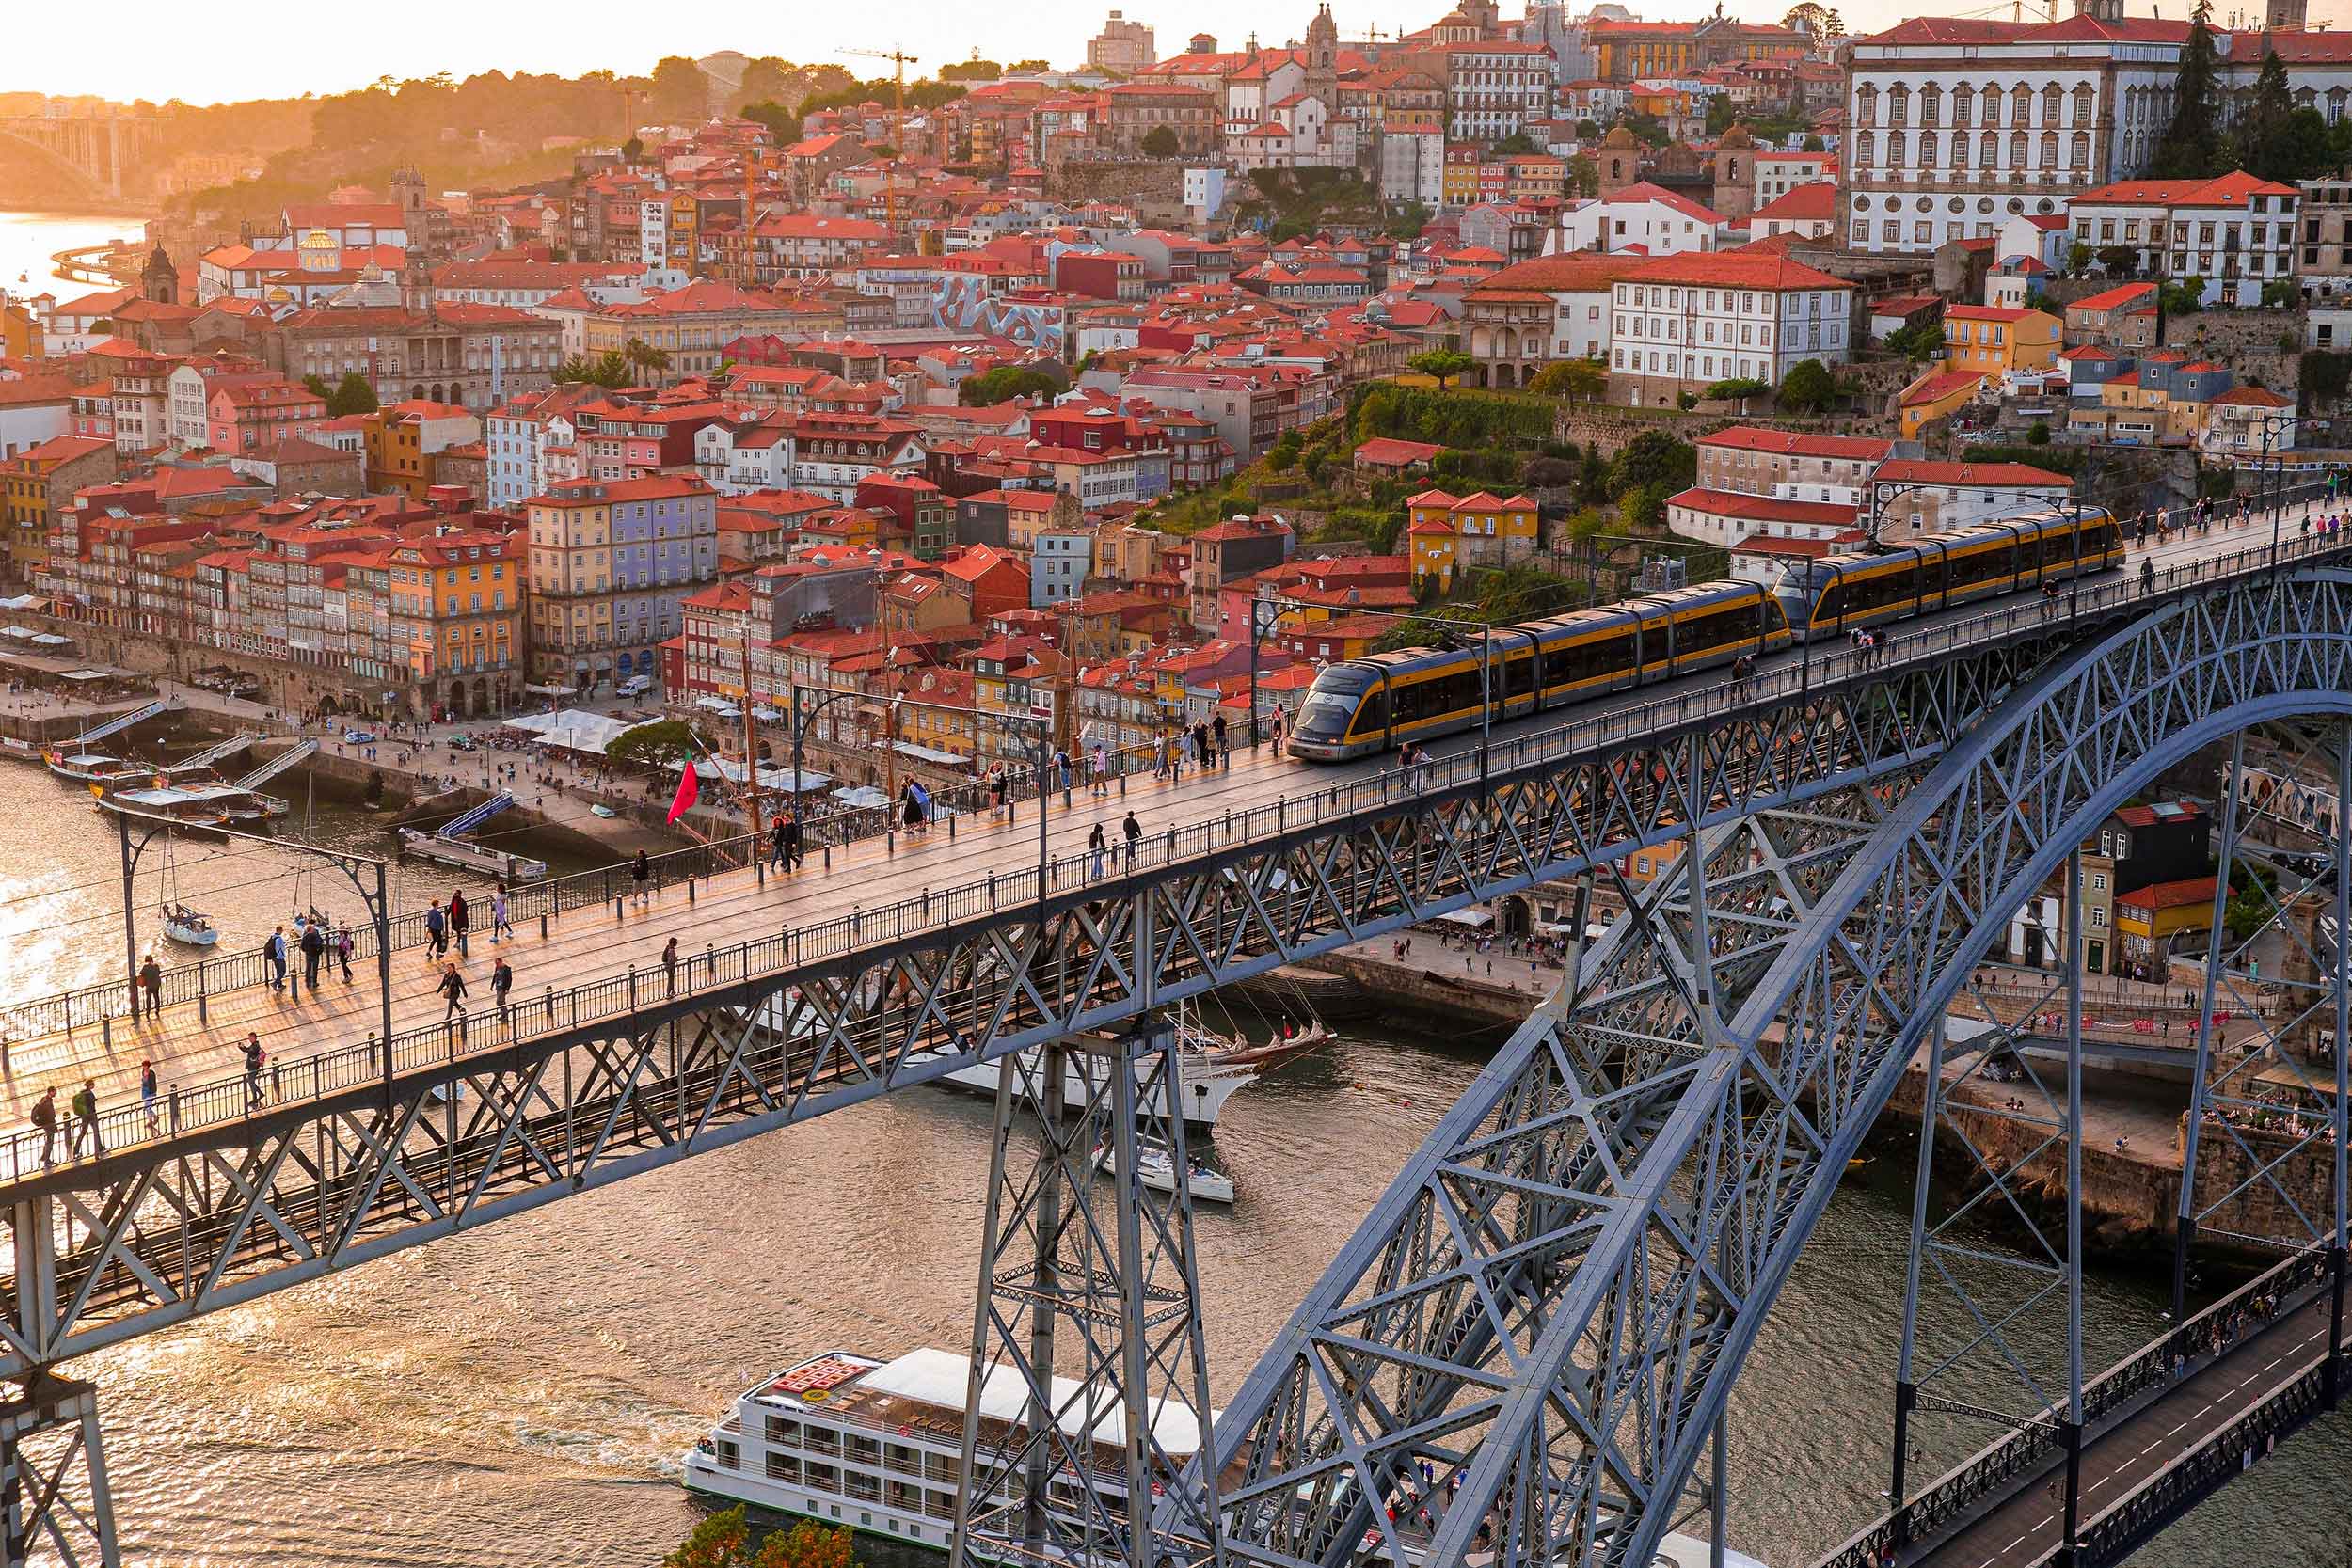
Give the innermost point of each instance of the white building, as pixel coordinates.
(1809, 213)
(1684, 322)
(1493, 90)
(1649, 219)
(2236, 232)
(1954, 125)
(1778, 173)
(1413, 166)
(1910, 496)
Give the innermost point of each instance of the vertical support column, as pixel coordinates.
(2074, 1424)
(1906, 1379)
(2185, 1219)
(2340, 989)
(48, 1430)
(1110, 1264)
(130, 908)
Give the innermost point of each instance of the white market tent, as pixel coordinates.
(574, 729)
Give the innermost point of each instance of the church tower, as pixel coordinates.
(415, 216)
(1322, 60)
(1735, 174)
(160, 279)
(416, 282)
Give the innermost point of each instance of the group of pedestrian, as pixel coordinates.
(84, 1110)
(1865, 647)
(785, 851)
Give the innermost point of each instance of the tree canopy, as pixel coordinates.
(1004, 383)
(1654, 457)
(2188, 148)
(1808, 388)
(1444, 364)
(665, 741)
(724, 1540)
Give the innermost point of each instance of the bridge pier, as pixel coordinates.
(49, 1430)
(1100, 1283)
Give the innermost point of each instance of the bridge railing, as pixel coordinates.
(2028, 1450)
(998, 891)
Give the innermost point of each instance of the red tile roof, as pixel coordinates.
(1920, 470)
(1737, 269)
(2170, 895)
(1806, 203)
(1787, 443)
(1764, 509)
(2231, 190)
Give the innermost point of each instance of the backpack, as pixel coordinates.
(44, 1112)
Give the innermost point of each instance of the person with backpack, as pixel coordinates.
(641, 873)
(502, 981)
(44, 1116)
(1096, 845)
(1133, 829)
(85, 1104)
(343, 945)
(274, 955)
(460, 922)
(436, 933)
(254, 1057)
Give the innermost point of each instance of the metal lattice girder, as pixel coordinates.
(219, 1215)
(55, 1505)
(1096, 1276)
(1559, 1361)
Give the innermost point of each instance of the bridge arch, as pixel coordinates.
(1552, 1302)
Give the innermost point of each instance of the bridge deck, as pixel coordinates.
(590, 944)
(2026, 1530)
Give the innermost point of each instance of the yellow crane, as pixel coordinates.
(899, 60)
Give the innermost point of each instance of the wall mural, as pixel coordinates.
(961, 303)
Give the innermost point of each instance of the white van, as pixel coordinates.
(636, 685)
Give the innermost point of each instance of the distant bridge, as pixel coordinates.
(112, 156)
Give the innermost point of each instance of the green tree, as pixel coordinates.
(644, 357)
(974, 70)
(784, 126)
(680, 90)
(1577, 380)
(2119, 258)
(2077, 260)
(1443, 364)
(1815, 144)
(1583, 177)
(2185, 151)
(633, 148)
(1720, 114)
(2183, 297)
(1808, 388)
(1004, 383)
(2282, 292)
(724, 1540)
(1160, 142)
(1409, 221)
(665, 741)
(2038, 435)
(1283, 454)
(766, 79)
(1592, 478)
(317, 386)
(2262, 130)
(1918, 344)
(1737, 390)
(1644, 508)
(354, 394)
(609, 368)
(1654, 457)
(2306, 146)
(1517, 144)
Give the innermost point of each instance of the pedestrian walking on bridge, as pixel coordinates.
(253, 1058)
(669, 967)
(1133, 830)
(502, 982)
(85, 1120)
(452, 985)
(147, 1096)
(314, 952)
(460, 922)
(44, 1116)
(152, 988)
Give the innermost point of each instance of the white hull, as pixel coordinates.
(1208, 1085)
(1208, 1186)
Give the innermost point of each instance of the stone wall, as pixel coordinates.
(1156, 190)
(2261, 1209)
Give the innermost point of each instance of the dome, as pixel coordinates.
(1619, 135)
(1736, 137)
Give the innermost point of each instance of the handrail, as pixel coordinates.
(2191, 1345)
(615, 995)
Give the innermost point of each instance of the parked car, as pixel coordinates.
(359, 737)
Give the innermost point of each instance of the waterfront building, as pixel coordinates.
(609, 566)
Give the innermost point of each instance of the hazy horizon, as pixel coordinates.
(152, 58)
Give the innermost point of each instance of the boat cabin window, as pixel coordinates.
(729, 1453)
(865, 1451)
(784, 1431)
(784, 1466)
(902, 1459)
(824, 1478)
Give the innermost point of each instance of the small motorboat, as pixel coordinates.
(600, 809)
(1158, 1172)
(189, 927)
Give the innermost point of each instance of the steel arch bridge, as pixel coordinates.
(1550, 1304)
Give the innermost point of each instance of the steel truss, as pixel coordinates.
(53, 1478)
(1550, 1304)
(1101, 1281)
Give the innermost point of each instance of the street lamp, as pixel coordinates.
(2270, 422)
(1265, 615)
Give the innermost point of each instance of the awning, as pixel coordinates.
(542, 691)
(931, 754)
(1475, 919)
(861, 795)
(574, 729)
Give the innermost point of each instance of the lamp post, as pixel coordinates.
(1265, 615)
(2278, 511)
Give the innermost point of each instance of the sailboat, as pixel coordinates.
(183, 924)
(1155, 1167)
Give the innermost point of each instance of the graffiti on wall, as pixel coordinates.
(961, 303)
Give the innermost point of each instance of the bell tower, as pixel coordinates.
(159, 280)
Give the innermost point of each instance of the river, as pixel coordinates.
(518, 1397)
(28, 240)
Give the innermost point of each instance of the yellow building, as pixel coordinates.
(20, 334)
(1430, 548)
(459, 599)
(1485, 529)
(2147, 919)
(1992, 340)
(1936, 396)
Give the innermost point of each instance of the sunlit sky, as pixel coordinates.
(149, 49)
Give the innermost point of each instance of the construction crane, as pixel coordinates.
(899, 60)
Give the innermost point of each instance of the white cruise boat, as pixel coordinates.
(846, 1439)
(1210, 1078)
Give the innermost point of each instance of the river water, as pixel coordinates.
(28, 240)
(517, 1398)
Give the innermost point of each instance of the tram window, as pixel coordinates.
(1834, 602)
(1518, 675)
(1405, 700)
(1371, 716)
